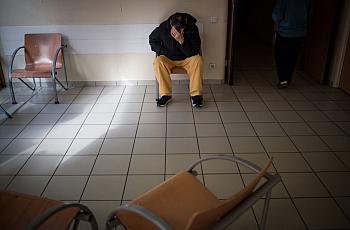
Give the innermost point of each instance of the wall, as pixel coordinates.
(111, 35)
(341, 41)
(318, 41)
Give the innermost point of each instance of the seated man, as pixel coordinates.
(177, 44)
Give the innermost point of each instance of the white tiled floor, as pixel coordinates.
(103, 146)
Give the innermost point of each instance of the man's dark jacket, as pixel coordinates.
(163, 43)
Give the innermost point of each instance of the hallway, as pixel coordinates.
(105, 145)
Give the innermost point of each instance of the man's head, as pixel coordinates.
(178, 21)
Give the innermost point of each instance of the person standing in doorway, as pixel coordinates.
(177, 43)
(291, 19)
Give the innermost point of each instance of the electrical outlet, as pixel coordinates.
(212, 66)
(213, 19)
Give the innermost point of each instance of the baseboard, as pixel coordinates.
(115, 83)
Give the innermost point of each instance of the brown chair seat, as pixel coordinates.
(17, 211)
(175, 201)
(41, 70)
(22, 73)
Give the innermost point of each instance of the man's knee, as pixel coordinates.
(197, 60)
(160, 61)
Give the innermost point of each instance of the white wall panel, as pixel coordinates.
(85, 39)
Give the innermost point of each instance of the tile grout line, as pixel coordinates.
(103, 140)
(20, 124)
(132, 150)
(197, 140)
(250, 122)
(339, 127)
(233, 154)
(32, 154)
(63, 156)
(166, 138)
(285, 187)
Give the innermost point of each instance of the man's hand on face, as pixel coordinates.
(177, 35)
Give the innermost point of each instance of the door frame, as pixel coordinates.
(2, 78)
(340, 47)
(230, 42)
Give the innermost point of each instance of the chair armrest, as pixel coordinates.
(113, 221)
(13, 59)
(241, 161)
(58, 50)
(264, 190)
(53, 210)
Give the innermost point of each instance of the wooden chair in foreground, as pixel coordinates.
(20, 211)
(43, 57)
(184, 203)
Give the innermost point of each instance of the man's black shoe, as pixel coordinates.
(163, 101)
(197, 101)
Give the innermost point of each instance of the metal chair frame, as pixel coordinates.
(5, 111)
(53, 74)
(224, 222)
(84, 214)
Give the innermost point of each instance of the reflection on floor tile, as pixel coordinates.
(101, 210)
(104, 188)
(11, 164)
(139, 184)
(33, 185)
(111, 164)
(321, 213)
(303, 185)
(40, 165)
(223, 185)
(246, 145)
(336, 182)
(282, 215)
(324, 161)
(75, 165)
(74, 183)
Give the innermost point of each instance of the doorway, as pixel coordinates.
(250, 33)
(254, 35)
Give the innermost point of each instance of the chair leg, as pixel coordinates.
(86, 216)
(54, 87)
(12, 91)
(265, 210)
(32, 88)
(34, 83)
(157, 90)
(4, 110)
(112, 223)
(65, 72)
(76, 224)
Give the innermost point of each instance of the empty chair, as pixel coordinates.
(184, 203)
(21, 211)
(43, 57)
